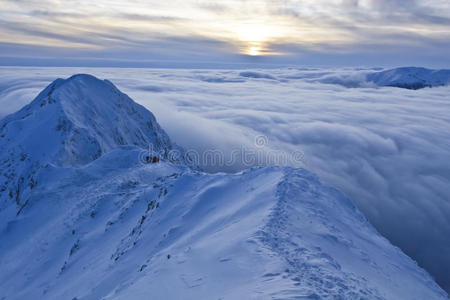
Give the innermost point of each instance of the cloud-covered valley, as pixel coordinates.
(387, 148)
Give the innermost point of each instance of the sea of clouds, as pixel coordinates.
(387, 148)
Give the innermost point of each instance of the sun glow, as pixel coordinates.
(255, 37)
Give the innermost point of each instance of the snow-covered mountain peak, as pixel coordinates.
(71, 123)
(410, 78)
(85, 117)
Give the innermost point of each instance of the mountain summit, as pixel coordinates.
(91, 221)
(74, 121)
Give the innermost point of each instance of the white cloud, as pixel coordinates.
(387, 148)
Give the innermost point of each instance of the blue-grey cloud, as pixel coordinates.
(310, 32)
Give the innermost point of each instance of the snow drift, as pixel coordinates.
(101, 224)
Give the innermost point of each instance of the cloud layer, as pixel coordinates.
(387, 148)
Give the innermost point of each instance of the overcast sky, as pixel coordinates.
(215, 33)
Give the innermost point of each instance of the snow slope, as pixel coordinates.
(410, 78)
(113, 227)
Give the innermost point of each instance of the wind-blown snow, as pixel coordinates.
(387, 148)
(117, 228)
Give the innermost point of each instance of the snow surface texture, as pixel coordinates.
(387, 148)
(113, 227)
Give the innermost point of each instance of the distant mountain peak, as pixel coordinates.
(412, 78)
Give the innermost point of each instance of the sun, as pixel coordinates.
(253, 51)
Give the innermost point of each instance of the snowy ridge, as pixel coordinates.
(115, 228)
(330, 248)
